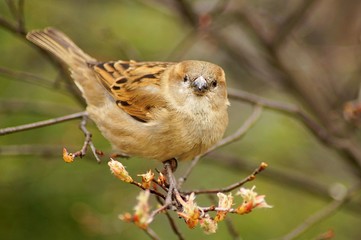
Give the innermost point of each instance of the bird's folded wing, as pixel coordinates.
(134, 86)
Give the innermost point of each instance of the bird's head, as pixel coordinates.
(197, 81)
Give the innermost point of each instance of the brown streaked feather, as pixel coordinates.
(134, 86)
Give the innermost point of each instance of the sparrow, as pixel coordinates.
(153, 110)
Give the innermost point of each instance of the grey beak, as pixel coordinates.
(200, 84)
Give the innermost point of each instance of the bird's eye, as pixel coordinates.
(214, 83)
(186, 78)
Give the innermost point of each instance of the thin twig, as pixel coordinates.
(174, 226)
(150, 190)
(233, 186)
(87, 141)
(232, 230)
(322, 214)
(156, 212)
(171, 221)
(162, 186)
(40, 124)
(35, 150)
(151, 233)
(29, 78)
(288, 178)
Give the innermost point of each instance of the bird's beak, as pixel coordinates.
(200, 85)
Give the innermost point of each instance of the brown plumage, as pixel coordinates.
(157, 110)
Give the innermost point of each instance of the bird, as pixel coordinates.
(153, 110)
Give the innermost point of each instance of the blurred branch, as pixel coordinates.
(182, 47)
(171, 221)
(322, 214)
(232, 230)
(12, 7)
(150, 232)
(20, 31)
(346, 147)
(30, 78)
(230, 47)
(241, 95)
(297, 84)
(49, 122)
(292, 22)
(7, 25)
(219, 8)
(42, 108)
(174, 226)
(36, 150)
(187, 12)
(17, 12)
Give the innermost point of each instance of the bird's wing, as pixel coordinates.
(134, 86)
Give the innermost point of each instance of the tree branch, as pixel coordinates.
(151, 233)
(29, 78)
(40, 124)
(347, 147)
(174, 226)
(87, 141)
(233, 186)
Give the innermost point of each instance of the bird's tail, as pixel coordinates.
(60, 45)
(65, 49)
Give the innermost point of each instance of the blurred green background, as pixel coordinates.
(44, 198)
